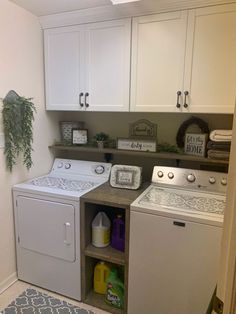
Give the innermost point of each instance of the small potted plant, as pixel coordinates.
(101, 138)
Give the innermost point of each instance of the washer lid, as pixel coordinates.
(183, 204)
(184, 200)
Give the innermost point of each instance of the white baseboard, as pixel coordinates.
(8, 282)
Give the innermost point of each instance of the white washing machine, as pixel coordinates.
(175, 238)
(47, 224)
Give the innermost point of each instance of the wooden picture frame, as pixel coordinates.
(79, 136)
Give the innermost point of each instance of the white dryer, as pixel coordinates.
(47, 224)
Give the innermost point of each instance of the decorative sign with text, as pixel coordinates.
(195, 144)
(137, 145)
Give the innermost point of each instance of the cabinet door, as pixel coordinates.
(173, 269)
(158, 51)
(108, 65)
(210, 73)
(63, 68)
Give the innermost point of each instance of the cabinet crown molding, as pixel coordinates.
(113, 12)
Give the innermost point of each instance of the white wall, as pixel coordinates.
(21, 69)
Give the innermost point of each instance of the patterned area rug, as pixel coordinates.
(32, 301)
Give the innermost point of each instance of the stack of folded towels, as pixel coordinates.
(219, 144)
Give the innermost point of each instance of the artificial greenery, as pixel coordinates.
(101, 137)
(168, 148)
(18, 115)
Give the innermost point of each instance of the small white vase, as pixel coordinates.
(100, 144)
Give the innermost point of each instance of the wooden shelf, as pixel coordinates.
(107, 254)
(99, 299)
(173, 156)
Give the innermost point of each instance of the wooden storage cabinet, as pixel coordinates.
(92, 255)
(87, 67)
(112, 201)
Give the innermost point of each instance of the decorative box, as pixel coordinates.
(126, 177)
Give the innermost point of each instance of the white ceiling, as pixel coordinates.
(45, 7)
(48, 7)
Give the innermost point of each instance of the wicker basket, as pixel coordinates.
(66, 129)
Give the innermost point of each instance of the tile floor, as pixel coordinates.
(19, 286)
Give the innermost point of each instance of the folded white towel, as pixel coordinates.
(221, 135)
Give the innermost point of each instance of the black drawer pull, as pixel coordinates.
(179, 223)
(178, 96)
(186, 93)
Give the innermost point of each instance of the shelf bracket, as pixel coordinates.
(108, 157)
(177, 162)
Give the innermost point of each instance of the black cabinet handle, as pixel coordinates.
(179, 223)
(86, 103)
(80, 99)
(178, 96)
(186, 93)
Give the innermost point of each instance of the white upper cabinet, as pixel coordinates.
(64, 69)
(108, 65)
(210, 72)
(88, 67)
(185, 61)
(158, 52)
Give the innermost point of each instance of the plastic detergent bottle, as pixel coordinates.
(118, 233)
(101, 273)
(115, 290)
(101, 227)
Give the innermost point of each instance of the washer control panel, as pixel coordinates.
(190, 178)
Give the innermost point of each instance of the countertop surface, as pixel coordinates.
(107, 195)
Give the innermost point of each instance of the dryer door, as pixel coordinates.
(46, 227)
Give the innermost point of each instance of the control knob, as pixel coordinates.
(160, 174)
(191, 177)
(100, 169)
(224, 181)
(170, 175)
(212, 180)
(67, 166)
(60, 165)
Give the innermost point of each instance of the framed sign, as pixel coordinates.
(195, 144)
(136, 145)
(126, 177)
(143, 129)
(79, 136)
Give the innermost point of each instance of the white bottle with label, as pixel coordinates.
(101, 228)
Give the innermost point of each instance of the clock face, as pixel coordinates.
(79, 136)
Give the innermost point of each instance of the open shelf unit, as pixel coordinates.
(107, 254)
(112, 201)
(158, 155)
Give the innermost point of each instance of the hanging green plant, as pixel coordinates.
(18, 116)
